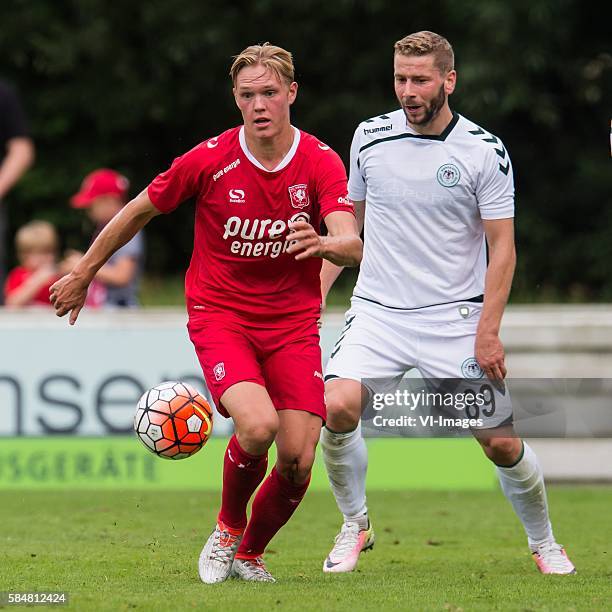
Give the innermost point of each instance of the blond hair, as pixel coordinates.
(36, 236)
(276, 59)
(424, 43)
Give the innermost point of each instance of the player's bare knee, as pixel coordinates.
(304, 465)
(502, 451)
(258, 432)
(296, 467)
(342, 413)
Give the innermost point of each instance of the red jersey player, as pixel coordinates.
(253, 295)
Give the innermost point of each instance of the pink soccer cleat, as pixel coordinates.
(347, 546)
(551, 558)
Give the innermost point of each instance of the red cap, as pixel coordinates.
(100, 183)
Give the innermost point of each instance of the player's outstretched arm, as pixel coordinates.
(68, 294)
(342, 246)
(489, 351)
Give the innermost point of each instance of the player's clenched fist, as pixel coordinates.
(304, 241)
(68, 294)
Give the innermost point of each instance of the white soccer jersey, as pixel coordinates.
(426, 197)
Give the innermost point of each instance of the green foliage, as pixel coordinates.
(131, 85)
(169, 290)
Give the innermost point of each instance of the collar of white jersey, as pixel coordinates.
(411, 132)
(283, 163)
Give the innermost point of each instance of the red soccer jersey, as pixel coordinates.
(18, 276)
(239, 260)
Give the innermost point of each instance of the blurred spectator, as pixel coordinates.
(37, 245)
(103, 194)
(16, 156)
(28, 284)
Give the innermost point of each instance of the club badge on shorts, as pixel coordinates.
(470, 368)
(299, 196)
(219, 371)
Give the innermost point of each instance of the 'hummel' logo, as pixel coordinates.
(384, 128)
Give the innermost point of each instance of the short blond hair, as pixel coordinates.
(36, 236)
(424, 43)
(274, 58)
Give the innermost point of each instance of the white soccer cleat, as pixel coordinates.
(253, 570)
(217, 556)
(551, 558)
(349, 543)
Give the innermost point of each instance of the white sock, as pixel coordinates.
(523, 485)
(346, 461)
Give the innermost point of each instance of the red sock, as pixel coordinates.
(275, 502)
(242, 472)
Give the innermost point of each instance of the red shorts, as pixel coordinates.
(285, 360)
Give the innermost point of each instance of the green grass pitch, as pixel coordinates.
(462, 550)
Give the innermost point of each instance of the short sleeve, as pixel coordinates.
(183, 180)
(331, 185)
(495, 188)
(356, 183)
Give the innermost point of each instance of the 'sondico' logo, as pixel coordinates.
(236, 196)
(448, 175)
(470, 368)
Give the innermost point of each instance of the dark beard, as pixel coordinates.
(432, 110)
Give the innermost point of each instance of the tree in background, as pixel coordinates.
(131, 85)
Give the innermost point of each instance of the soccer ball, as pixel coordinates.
(173, 420)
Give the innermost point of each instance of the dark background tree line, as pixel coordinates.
(132, 84)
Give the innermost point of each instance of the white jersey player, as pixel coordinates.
(435, 190)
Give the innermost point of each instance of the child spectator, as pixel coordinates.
(37, 248)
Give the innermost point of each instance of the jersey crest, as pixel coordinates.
(448, 175)
(299, 196)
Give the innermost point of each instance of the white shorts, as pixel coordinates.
(378, 346)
